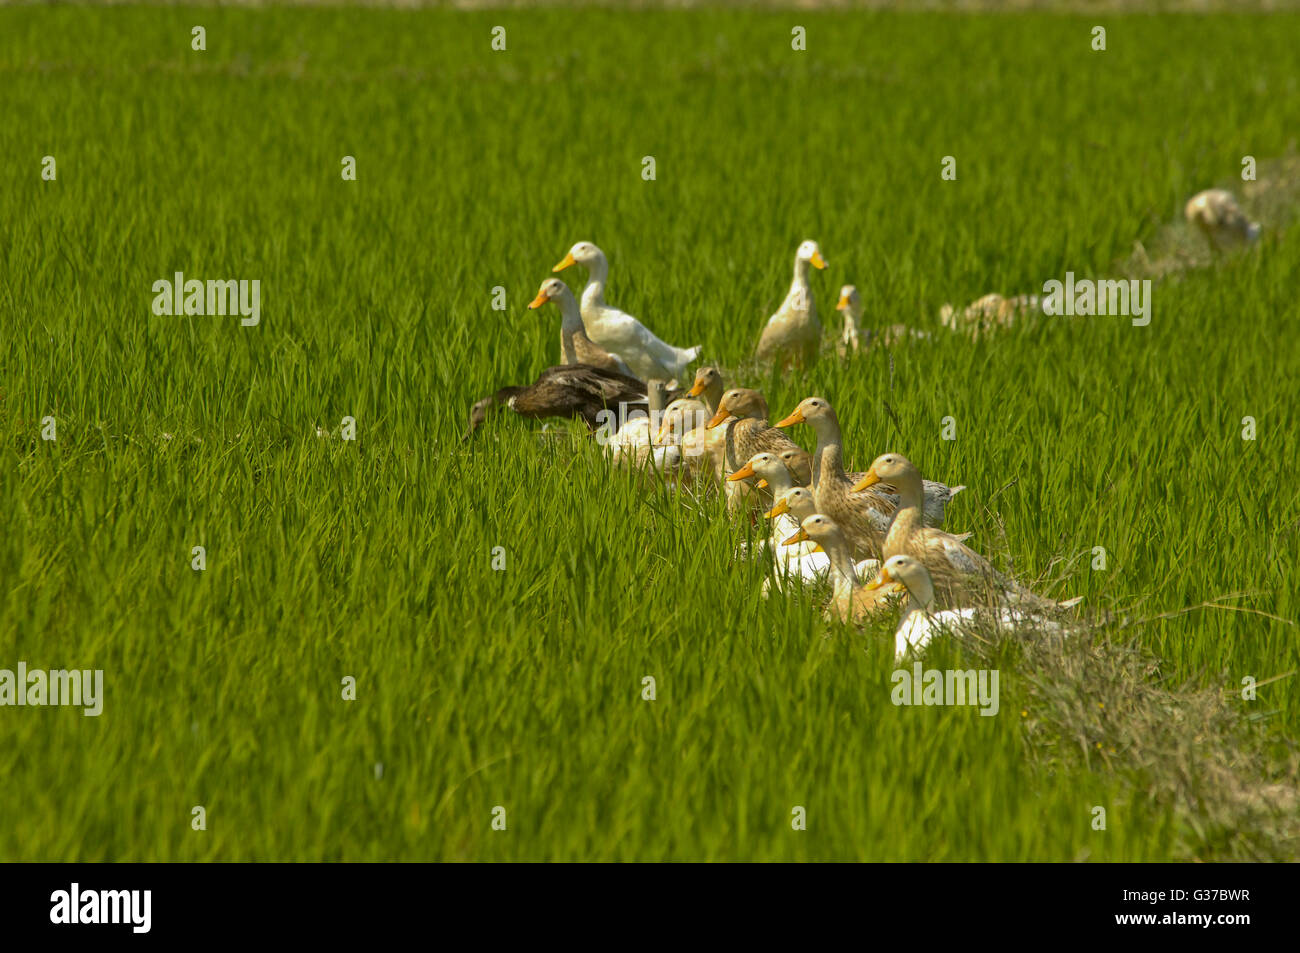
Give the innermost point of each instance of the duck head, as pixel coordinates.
(739, 402)
(798, 502)
(903, 573)
(850, 301)
(895, 470)
(552, 289)
(811, 253)
(583, 253)
(811, 410)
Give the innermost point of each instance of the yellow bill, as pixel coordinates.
(798, 537)
(869, 479)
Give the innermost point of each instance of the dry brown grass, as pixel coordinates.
(1097, 701)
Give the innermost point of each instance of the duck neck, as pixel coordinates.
(844, 578)
(850, 322)
(712, 397)
(907, 518)
(593, 293)
(779, 483)
(828, 460)
(570, 325)
(922, 602)
(760, 411)
(800, 281)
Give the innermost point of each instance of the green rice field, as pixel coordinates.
(521, 688)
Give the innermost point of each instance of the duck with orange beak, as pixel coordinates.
(920, 621)
(863, 518)
(837, 487)
(619, 332)
(957, 574)
(767, 471)
(850, 306)
(743, 411)
(851, 601)
(708, 387)
(802, 560)
(750, 433)
(687, 425)
(575, 346)
(793, 335)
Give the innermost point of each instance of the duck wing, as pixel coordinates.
(611, 387)
(753, 436)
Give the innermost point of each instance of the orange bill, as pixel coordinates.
(781, 507)
(537, 302)
(798, 537)
(818, 261)
(742, 473)
(568, 260)
(794, 418)
(885, 580)
(718, 418)
(844, 302)
(870, 479)
(696, 389)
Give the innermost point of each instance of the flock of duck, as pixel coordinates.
(876, 534)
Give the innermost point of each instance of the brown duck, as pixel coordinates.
(573, 390)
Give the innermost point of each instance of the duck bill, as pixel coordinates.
(537, 302)
(742, 473)
(566, 262)
(696, 389)
(870, 479)
(794, 418)
(818, 261)
(844, 303)
(718, 418)
(781, 507)
(798, 537)
(883, 579)
(762, 484)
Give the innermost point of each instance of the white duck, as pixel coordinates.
(772, 473)
(621, 333)
(793, 334)
(920, 623)
(633, 442)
